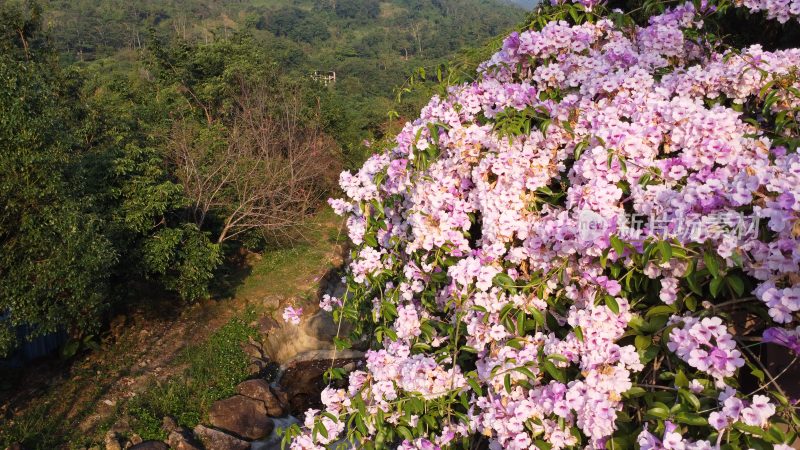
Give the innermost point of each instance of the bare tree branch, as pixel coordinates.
(266, 172)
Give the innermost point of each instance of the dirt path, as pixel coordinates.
(81, 399)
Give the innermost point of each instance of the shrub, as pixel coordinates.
(580, 248)
(46, 230)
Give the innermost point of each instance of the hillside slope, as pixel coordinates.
(372, 45)
(88, 29)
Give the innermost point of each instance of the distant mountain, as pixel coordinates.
(89, 29)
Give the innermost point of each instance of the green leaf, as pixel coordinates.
(691, 419)
(634, 392)
(612, 304)
(690, 398)
(405, 432)
(660, 310)
(554, 371)
(642, 342)
(681, 380)
(666, 250)
(503, 280)
(525, 371)
(617, 245)
(474, 385)
(691, 303)
(538, 317)
(736, 284)
(659, 412)
(370, 240)
(756, 431)
(715, 286)
(712, 264)
(578, 333)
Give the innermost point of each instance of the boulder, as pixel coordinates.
(259, 389)
(253, 349)
(242, 416)
(182, 439)
(266, 324)
(217, 440)
(150, 445)
(303, 381)
(316, 332)
(257, 367)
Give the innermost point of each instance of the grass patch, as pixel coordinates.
(280, 270)
(213, 369)
(30, 430)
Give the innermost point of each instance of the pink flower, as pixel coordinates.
(787, 338)
(292, 315)
(328, 303)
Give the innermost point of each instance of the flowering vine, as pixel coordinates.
(555, 255)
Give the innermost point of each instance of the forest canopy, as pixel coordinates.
(145, 143)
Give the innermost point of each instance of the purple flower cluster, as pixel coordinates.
(706, 345)
(781, 10)
(643, 120)
(755, 413)
(671, 440)
(787, 338)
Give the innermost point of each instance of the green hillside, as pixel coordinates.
(147, 143)
(373, 46)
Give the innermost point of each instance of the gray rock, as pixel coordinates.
(328, 355)
(217, 440)
(122, 427)
(259, 389)
(322, 326)
(242, 416)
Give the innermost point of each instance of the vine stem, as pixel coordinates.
(656, 386)
(773, 380)
(733, 302)
(766, 371)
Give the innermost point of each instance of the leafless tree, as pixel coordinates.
(265, 172)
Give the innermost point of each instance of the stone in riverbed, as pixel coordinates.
(217, 440)
(303, 381)
(242, 416)
(259, 390)
(182, 439)
(316, 332)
